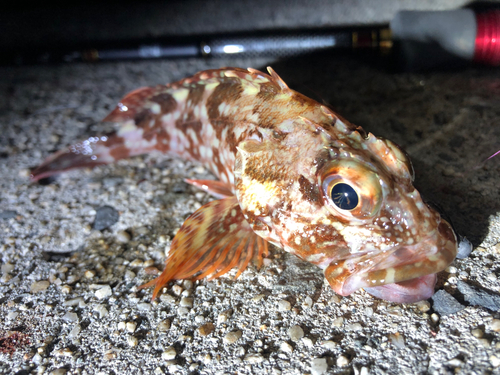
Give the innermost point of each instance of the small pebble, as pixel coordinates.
(477, 333)
(66, 289)
(148, 263)
(168, 354)
(354, 327)
(308, 302)
(186, 302)
(101, 310)
(491, 276)
(335, 299)
(131, 326)
(177, 289)
(307, 342)
(132, 341)
(72, 279)
(110, 355)
(286, 347)
(167, 298)
(193, 366)
(206, 329)
(182, 311)
(451, 269)
(144, 306)
(70, 317)
(455, 362)
(7, 267)
(423, 306)
(239, 351)
(295, 333)
(339, 322)
(284, 305)
(397, 340)
(435, 318)
(318, 366)
(103, 292)
(464, 248)
(59, 371)
(64, 352)
(89, 274)
(164, 326)
(495, 361)
(224, 316)
(254, 358)
(75, 331)
(122, 236)
(105, 217)
(39, 286)
(494, 325)
(258, 297)
(330, 345)
(136, 263)
(187, 284)
(232, 337)
(129, 275)
(342, 361)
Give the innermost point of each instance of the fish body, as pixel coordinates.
(291, 172)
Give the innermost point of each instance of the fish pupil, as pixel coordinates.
(344, 196)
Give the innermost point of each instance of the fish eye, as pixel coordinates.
(351, 189)
(344, 196)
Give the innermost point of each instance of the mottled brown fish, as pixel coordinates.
(291, 172)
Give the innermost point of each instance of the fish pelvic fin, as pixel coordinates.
(216, 188)
(212, 241)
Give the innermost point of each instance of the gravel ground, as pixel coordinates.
(68, 291)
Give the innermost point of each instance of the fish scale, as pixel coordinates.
(280, 159)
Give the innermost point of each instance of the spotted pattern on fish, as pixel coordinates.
(288, 169)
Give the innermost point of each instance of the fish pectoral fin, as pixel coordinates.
(212, 241)
(216, 188)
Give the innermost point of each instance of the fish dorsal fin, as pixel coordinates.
(217, 188)
(278, 80)
(212, 241)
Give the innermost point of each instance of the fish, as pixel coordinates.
(290, 172)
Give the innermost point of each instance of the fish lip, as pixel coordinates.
(409, 291)
(402, 263)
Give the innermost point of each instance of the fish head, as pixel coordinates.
(345, 201)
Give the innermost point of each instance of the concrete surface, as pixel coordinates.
(68, 293)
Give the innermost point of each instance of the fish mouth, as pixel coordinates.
(403, 274)
(408, 291)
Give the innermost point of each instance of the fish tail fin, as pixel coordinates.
(212, 241)
(94, 151)
(138, 132)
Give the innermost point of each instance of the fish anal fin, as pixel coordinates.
(216, 188)
(213, 240)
